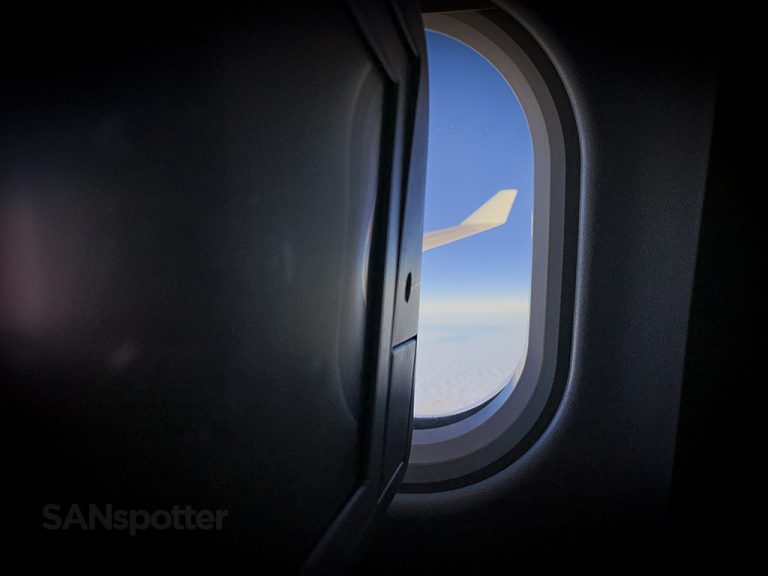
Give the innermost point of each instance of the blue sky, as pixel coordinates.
(473, 319)
(479, 143)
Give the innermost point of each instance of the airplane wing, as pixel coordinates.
(490, 215)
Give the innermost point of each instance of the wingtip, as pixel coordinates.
(495, 210)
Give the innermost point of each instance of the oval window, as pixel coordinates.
(476, 267)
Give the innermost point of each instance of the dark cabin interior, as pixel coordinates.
(188, 201)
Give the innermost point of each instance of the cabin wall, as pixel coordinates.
(596, 486)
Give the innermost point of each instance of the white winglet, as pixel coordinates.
(494, 212)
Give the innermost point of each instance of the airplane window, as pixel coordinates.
(476, 267)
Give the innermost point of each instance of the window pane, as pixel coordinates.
(476, 268)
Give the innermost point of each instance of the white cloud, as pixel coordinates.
(467, 352)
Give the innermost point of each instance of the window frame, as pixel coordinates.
(464, 450)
